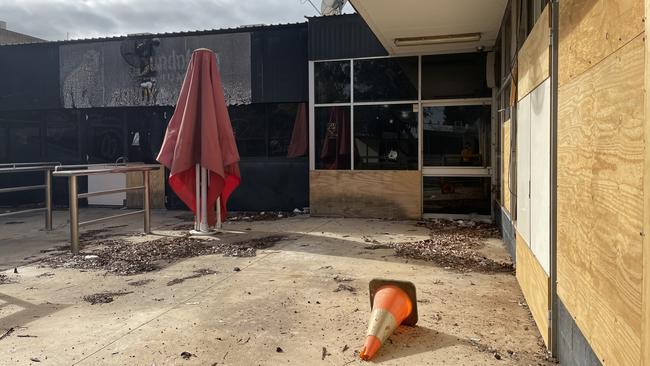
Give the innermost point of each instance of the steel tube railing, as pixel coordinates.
(104, 169)
(110, 191)
(46, 168)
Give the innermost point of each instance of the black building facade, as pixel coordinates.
(96, 100)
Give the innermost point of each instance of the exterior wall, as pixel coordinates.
(572, 347)
(10, 37)
(38, 79)
(342, 36)
(535, 284)
(601, 160)
(376, 194)
(533, 172)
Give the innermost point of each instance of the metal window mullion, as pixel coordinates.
(344, 104)
(420, 118)
(352, 114)
(312, 123)
(392, 102)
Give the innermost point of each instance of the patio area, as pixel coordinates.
(300, 298)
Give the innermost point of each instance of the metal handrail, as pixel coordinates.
(47, 186)
(15, 165)
(111, 169)
(88, 166)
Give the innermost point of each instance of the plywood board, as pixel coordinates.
(374, 194)
(157, 184)
(535, 285)
(645, 337)
(592, 30)
(505, 168)
(540, 173)
(523, 168)
(533, 60)
(600, 200)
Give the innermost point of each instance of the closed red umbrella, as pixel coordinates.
(199, 138)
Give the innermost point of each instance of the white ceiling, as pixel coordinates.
(390, 19)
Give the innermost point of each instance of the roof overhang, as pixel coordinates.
(409, 27)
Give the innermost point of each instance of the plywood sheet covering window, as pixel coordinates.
(157, 183)
(505, 169)
(533, 60)
(592, 30)
(535, 285)
(374, 194)
(600, 187)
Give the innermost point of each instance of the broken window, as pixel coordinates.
(386, 137)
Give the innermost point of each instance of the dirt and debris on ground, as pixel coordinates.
(7, 333)
(198, 273)
(344, 287)
(140, 282)
(455, 244)
(187, 355)
(262, 216)
(4, 279)
(126, 258)
(104, 297)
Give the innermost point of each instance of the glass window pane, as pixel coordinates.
(457, 195)
(456, 135)
(386, 137)
(61, 136)
(249, 127)
(332, 82)
(288, 130)
(454, 76)
(386, 79)
(332, 125)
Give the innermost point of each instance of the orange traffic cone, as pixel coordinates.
(393, 303)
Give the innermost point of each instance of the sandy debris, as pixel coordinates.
(455, 245)
(104, 297)
(125, 258)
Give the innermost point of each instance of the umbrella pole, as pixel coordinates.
(201, 217)
(197, 190)
(204, 199)
(219, 213)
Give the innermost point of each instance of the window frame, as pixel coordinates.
(488, 100)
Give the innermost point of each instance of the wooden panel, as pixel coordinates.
(592, 30)
(600, 202)
(645, 336)
(540, 174)
(157, 178)
(505, 169)
(535, 285)
(380, 194)
(533, 60)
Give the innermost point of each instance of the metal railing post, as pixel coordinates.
(48, 200)
(146, 202)
(74, 214)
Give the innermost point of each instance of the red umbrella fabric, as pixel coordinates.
(200, 132)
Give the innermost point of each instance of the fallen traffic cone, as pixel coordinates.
(393, 303)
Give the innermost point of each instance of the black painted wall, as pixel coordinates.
(342, 36)
(279, 64)
(29, 76)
